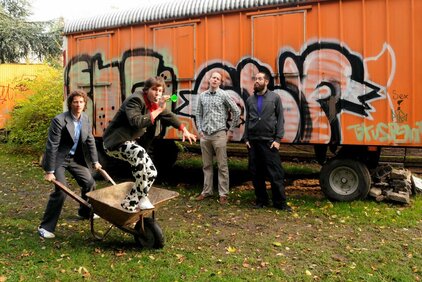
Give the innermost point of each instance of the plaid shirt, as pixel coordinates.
(212, 112)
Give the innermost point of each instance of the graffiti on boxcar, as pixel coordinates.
(112, 81)
(12, 90)
(317, 86)
(93, 71)
(6, 94)
(399, 115)
(388, 132)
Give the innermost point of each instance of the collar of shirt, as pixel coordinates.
(213, 92)
(150, 106)
(259, 94)
(75, 118)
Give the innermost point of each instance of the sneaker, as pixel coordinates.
(45, 234)
(145, 204)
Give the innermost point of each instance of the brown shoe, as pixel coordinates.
(200, 197)
(224, 200)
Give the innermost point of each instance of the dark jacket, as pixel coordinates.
(60, 141)
(267, 125)
(133, 120)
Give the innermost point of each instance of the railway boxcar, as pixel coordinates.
(346, 70)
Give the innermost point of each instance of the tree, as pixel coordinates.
(21, 39)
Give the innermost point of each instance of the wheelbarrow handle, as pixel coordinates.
(71, 193)
(106, 176)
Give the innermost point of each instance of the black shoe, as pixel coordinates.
(260, 205)
(285, 208)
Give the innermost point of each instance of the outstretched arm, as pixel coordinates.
(187, 135)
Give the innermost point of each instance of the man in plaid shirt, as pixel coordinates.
(212, 114)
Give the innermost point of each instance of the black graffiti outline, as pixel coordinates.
(358, 72)
(97, 59)
(304, 132)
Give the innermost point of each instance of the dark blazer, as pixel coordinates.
(60, 141)
(267, 124)
(133, 120)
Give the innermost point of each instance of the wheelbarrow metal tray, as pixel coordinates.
(106, 203)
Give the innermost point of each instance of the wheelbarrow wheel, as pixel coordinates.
(152, 235)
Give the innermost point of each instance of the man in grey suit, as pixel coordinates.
(69, 143)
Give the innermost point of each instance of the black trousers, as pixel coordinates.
(55, 203)
(266, 163)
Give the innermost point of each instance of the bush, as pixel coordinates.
(31, 117)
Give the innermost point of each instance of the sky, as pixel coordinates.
(44, 10)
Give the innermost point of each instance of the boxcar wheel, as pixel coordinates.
(345, 180)
(152, 235)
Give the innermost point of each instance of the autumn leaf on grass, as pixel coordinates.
(120, 253)
(264, 264)
(63, 256)
(25, 253)
(245, 264)
(3, 278)
(328, 205)
(180, 258)
(85, 273)
(231, 250)
(277, 244)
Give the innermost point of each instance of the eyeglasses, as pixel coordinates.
(259, 78)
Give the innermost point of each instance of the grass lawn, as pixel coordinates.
(319, 241)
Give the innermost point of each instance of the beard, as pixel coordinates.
(258, 87)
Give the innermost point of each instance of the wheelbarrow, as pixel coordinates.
(105, 202)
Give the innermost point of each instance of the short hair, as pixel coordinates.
(77, 93)
(151, 82)
(266, 75)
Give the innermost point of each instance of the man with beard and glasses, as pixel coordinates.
(264, 130)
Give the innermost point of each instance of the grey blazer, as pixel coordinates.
(60, 142)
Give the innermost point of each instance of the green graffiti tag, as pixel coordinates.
(388, 132)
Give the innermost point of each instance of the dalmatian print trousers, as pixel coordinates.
(143, 170)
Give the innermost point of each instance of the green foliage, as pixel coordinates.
(204, 241)
(15, 8)
(21, 39)
(31, 118)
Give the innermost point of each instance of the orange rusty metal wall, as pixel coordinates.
(348, 72)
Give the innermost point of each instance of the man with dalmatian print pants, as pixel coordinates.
(139, 116)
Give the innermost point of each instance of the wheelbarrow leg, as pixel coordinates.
(96, 234)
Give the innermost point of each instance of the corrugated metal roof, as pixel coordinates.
(172, 9)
